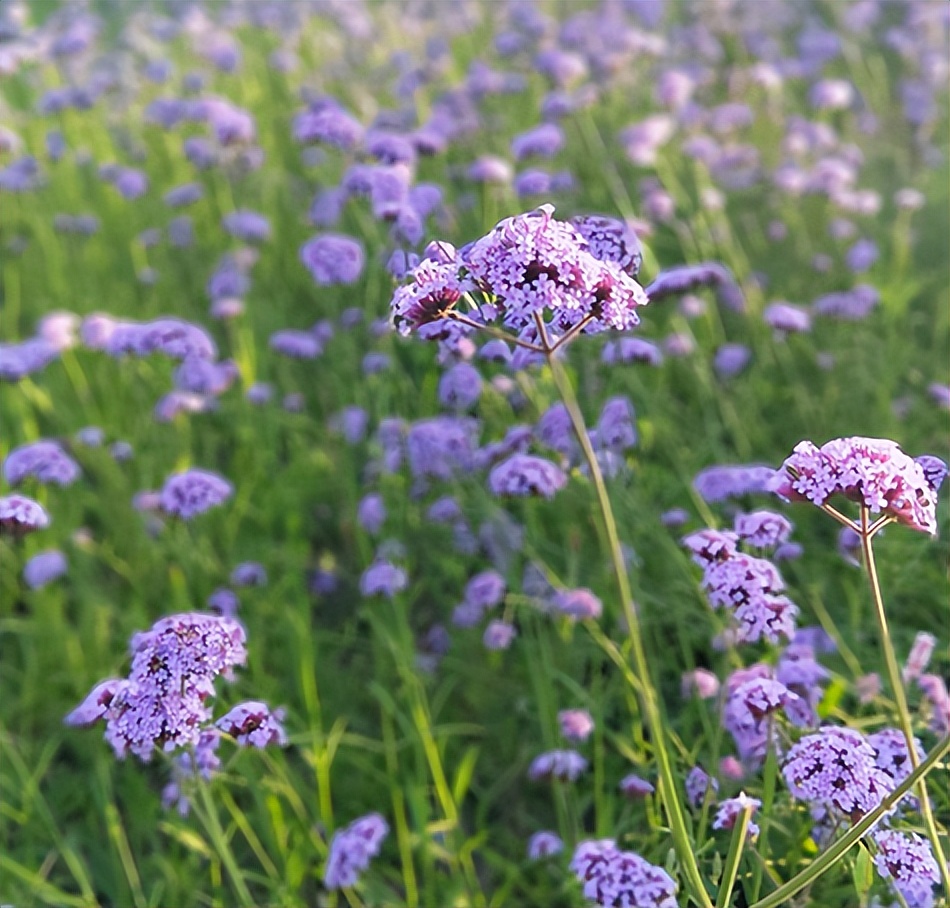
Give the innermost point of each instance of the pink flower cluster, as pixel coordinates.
(873, 472)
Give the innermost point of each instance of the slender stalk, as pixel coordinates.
(222, 847)
(900, 698)
(567, 338)
(836, 851)
(844, 521)
(651, 709)
(731, 868)
(494, 332)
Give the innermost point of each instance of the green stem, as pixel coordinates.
(222, 847)
(900, 698)
(731, 869)
(835, 852)
(651, 709)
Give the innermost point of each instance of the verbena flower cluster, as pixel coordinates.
(621, 879)
(351, 850)
(873, 472)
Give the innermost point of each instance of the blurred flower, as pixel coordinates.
(544, 845)
(45, 461)
(351, 850)
(192, 492)
(44, 568)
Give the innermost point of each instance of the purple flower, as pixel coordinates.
(435, 287)
(919, 656)
(687, 278)
(460, 387)
(249, 573)
(908, 862)
(224, 601)
(731, 359)
(632, 350)
(383, 579)
(801, 674)
(709, 546)
(614, 878)
(747, 716)
(192, 492)
(837, 767)
(29, 356)
(296, 344)
(580, 604)
(787, 318)
(543, 141)
(525, 475)
(371, 513)
(700, 786)
(351, 850)
(533, 263)
(328, 123)
(723, 481)
(441, 447)
(850, 305)
(935, 470)
(891, 756)
(44, 568)
(248, 226)
(544, 845)
(871, 471)
(762, 529)
(20, 515)
(633, 786)
(616, 427)
(333, 259)
(46, 461)
(490, 169)
(499, 635)
(173, 337)
(163, 701)
(731, 809)
(185, 194)
(485, 590)
(862, 255)
(934, 690)
(563, 765)
(577, 725)
(611, 240)
(700, 682)
(253, 724)
(205, 763)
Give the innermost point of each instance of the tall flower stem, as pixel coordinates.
(897, 686)
(648, 698)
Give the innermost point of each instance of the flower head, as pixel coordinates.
(565, 765)
(621, 879)
(526, 475)
(732, 808)
(351, 850)
(188, 494)
(253, 723)
(20, 515)
(908, 862)
(44, 460)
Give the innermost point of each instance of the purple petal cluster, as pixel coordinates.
(621, 879)
(351, 850)
(45, 461)
(908, 862)
(253, 724)
(192, 492)
(524, 475)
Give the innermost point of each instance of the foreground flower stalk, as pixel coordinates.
(866, 532)
(838, 849)
(651, 709)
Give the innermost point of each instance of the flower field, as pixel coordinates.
(468, 453)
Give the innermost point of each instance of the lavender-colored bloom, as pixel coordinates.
(802, 675)
(862, 255)
(720, 482)
(371, 513)
(383, 578)
(499, 635)
(919, 656)
(177, 402)
(224, 601)
(260, 393)
(730, 359)
(747, 716)
(22, 359)
(836, 766)
(249, 573)
(121, 451)
(674, 517)
(491, 169)
(185, 194)
(173, 337)
(850, 305)
(611, 240)
(533, 182)
(935, 470)
(485, 590)
(296, 344)
(374, 363)
(253, 724)
(162, 703)
(831, 94)
(460, 387)
(554, 429)
(787, 318)
(543, 141)
(700, 682)
(908, 863)
(633, 786)
(868, 687)
(44, 568)
(231, 125)
(351, 850)
(205, 763)
(580, 604)
(544, 845)
(700, 786)
(762, 529)
(46, 461)
(294, 402)
(96, 704)
(642, 141)
(632, 350)
(441, 447)
(616, 426)
(533, 263)
(687, 278)
(201, 376)
(709, 545)
(328, 123)
(891, 755)
(564, 765)
(192, 492)
(871, 471)
(525, 475)
(731, 809)
(577, 725)
(351, 423)
(249, 226)
(621, 878)
(934, 690)
(333, 259)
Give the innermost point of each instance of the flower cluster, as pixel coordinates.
(526, 475)
(351, 850)
(564, 765)
(163, 702)
(20, 515)
(873, 472)
(188, 494)
(46, 461)
(908, 862)
(749, 588)
(621, 879)
(837, 768)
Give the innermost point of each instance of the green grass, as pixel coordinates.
(442, 756)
